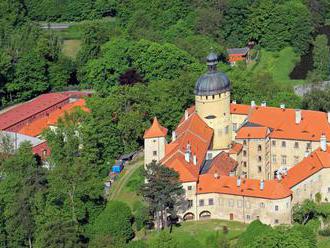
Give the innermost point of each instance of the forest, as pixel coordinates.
(141, 59)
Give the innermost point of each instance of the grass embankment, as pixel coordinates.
(279, 64)
(126, 187)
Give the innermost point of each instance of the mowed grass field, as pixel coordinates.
(279, 64)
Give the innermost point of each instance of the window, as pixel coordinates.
(276, 221)
(276, 207)
(211, 201)
(296, 159)
(283, 144)
(230, 203)
(244, 153)
(201, 203)
(259, 148)
(190, 203)
(287, 205)
(226, 129)
(259, 159)
(257, 217)
(234, 126)
(274, 158)
(213, 97)
(296, 145)
(328, 189)
(244, 163)
(248, 217)
(259, 169)
(189, 187)
(154, 141)
(244, 142)
(283, 159)
(273, 143)
(209, 156)
(262, 205)
(239, 203)
(309, 145)
(304, 187)
(154, 153)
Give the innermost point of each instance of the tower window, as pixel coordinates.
(259, 148)
(259, 158)
(154, 153)
(207, 97)
(283, 144)
(213, 97)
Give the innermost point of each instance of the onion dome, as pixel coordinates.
(213, 82)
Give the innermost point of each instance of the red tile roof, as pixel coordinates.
(252, 133)
(282, 122)
(307, 167)
(156, 130)
(29, 109)
(222, 164)
(195, 132)
(273, 189)
(236, 148)
(36, 127)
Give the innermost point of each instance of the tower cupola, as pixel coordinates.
(212, 82)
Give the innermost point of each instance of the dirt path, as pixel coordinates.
(129, 170)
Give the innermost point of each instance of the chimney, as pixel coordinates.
(329, 117)
(187, 153)
(186, 115)
(306, 154)
(264, 104)
(234, 102)
(195, 159)
(298, 116)
(173, 136)
(282, 106)
(238, 182)
(279, 177)
(323, 143)
(262, 184)
(253, 104)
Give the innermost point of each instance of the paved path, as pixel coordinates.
(129, 170)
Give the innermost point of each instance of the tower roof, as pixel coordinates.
(156, 130)
(212, 82)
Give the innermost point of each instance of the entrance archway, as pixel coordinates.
(188, 216)
(205, 215)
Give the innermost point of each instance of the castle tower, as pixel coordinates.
(212, 100)
(154, 143)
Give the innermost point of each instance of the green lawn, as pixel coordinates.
(125, 188)
(279, 64)
(192, 232)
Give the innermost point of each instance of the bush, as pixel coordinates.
(116, 221)
(325, 232)
(141, 217)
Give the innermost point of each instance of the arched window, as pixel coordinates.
(205, 215)
(188, 216)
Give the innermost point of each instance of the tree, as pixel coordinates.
(253, 231)
(164, 240)
(321, 55)
(24, 183)
(304, 212)
(317, 99)
(163, 192)
(115, 220)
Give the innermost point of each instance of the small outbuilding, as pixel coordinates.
(238, 54)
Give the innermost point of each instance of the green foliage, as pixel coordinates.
(260, 235)
(164, 240)
(317, 100)
(321, 54)
(254, 230)
(304, 212)
(163, 192)
(115, 220)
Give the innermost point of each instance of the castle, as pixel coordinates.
(243, 162)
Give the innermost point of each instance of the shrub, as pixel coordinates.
(325, 232)
(115, 220)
